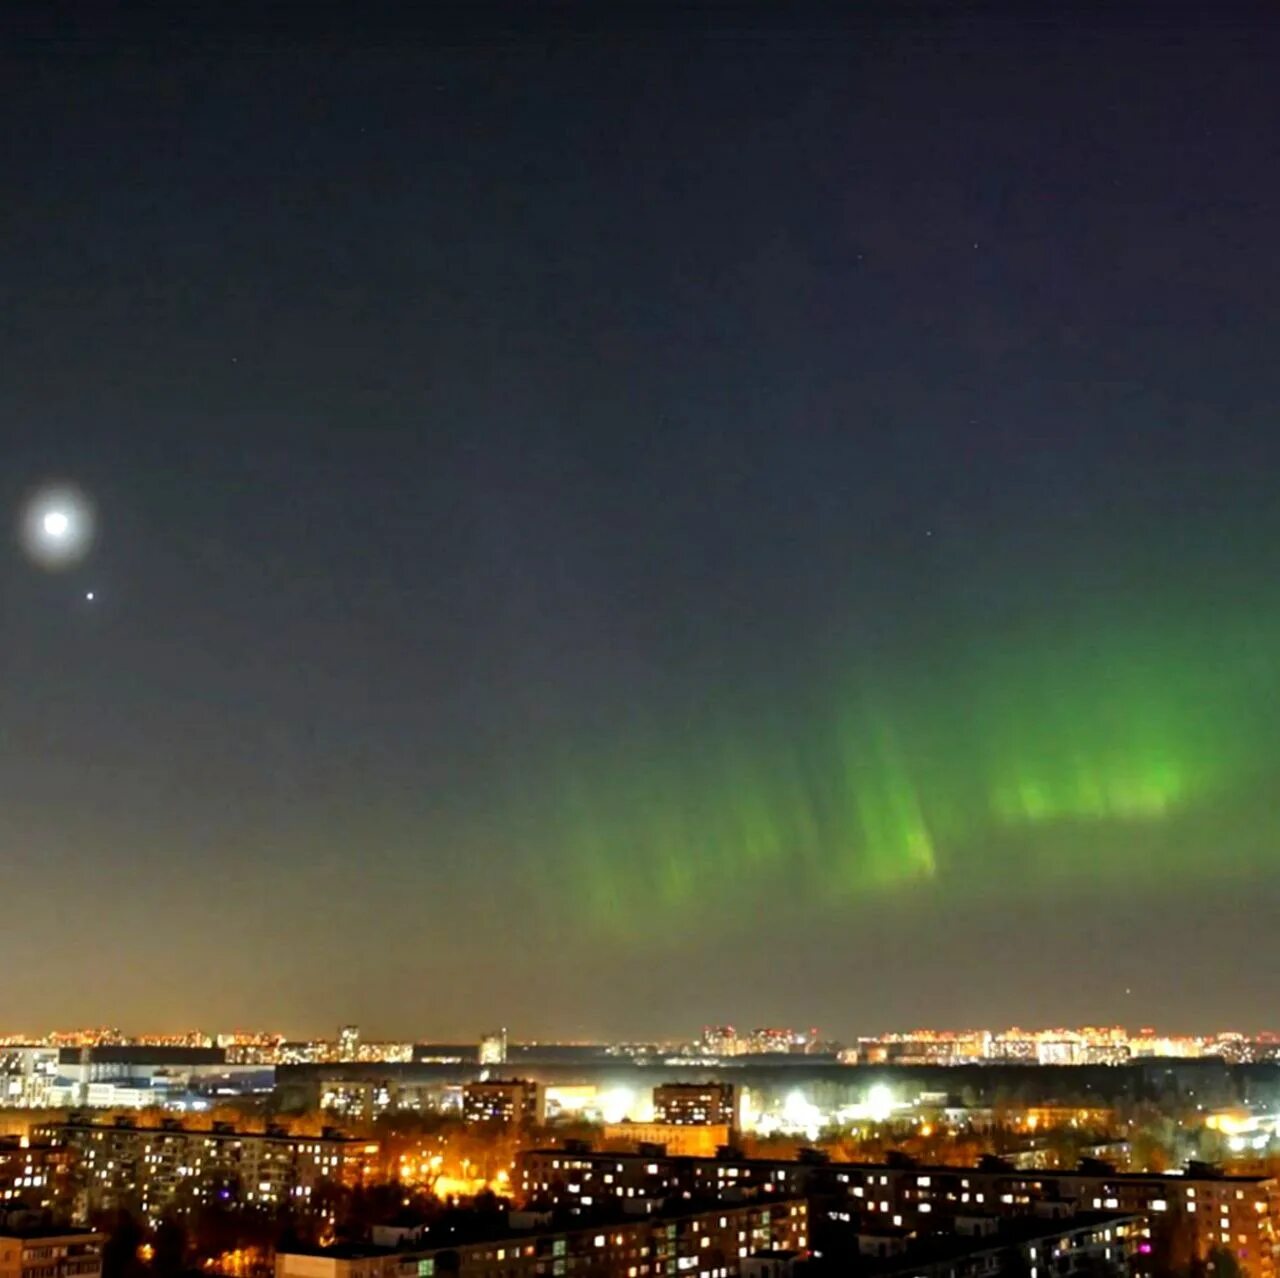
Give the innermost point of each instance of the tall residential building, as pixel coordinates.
(349, 1043)
(493, 1048)
(511, 1102)
(695, 1104)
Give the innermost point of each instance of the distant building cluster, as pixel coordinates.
(1088, 1045)
(31, 1071)
(113, 1076)
(724, 1040)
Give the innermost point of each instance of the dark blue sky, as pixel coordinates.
(460, 395)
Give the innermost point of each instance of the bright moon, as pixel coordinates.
(57, 526)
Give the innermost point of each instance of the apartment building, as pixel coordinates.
(172, 1166)
(39, 1251)
(1241, 1213)
(33, 1174)
(508, 1101)
(704, 1244)
(986, 1247)
(695, 1104)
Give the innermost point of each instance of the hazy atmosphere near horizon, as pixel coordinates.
(612, 522)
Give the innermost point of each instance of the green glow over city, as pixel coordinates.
(1047, 763)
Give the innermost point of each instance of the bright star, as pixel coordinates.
(56, 523)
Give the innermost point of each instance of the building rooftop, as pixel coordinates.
(219, 1131)
(932, 1249)
(28, 1233)
(470, 1228)
(924, 1169)
(139, 1054)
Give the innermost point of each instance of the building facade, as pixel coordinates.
(695, 1104)
(493, 1049)
(705, 1244)
(33, 1174)
(41, 1252)
(1239, 1213)
(511, 1102)
(673, 1138)
(155, 1168)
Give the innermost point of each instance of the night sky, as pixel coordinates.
(610, 524)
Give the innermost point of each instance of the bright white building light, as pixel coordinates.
(879, 1103)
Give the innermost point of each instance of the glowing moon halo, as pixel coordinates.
(57, 526)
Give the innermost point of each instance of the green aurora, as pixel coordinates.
(1069, 761)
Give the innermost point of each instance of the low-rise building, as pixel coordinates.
(42, 1251)
(682, 1139)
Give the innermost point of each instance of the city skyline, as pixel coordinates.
(605, 519)
(712, 1037)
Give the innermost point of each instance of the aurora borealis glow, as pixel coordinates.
(1085, 762)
